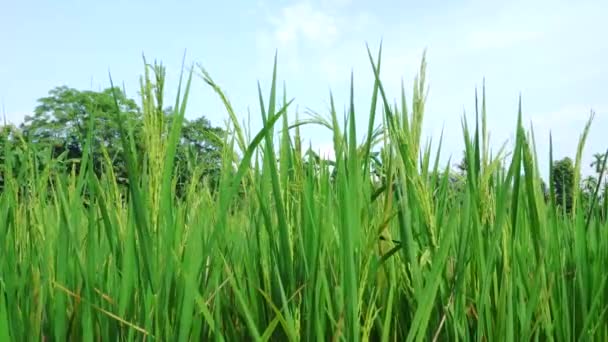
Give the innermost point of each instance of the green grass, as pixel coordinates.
(292, 249)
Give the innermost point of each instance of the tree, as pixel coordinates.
(204, 141)
(201, 145)
(7, 137)
(463, 166)
(563, 182)
(544, 189)
(61, 122)
(588, 187)
(598, 162)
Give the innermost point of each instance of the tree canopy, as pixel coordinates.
(62, 119)
(563, 182)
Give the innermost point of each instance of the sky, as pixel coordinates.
(552, 53)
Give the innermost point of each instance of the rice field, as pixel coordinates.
(384, 243)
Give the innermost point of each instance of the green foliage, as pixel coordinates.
(381, 244)
(563, 182)
(598, 162)
(200, 146)
(61, 121)
(66, 112)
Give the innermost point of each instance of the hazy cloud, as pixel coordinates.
(303, 22)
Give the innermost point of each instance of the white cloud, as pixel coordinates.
(301, 32)
(303, 22)
(537, 48)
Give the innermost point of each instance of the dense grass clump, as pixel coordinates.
(380, 244)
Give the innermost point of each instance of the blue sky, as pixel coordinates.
(552, 52)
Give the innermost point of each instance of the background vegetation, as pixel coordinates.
(125, 221)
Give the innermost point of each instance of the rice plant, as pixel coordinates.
(383, 243)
